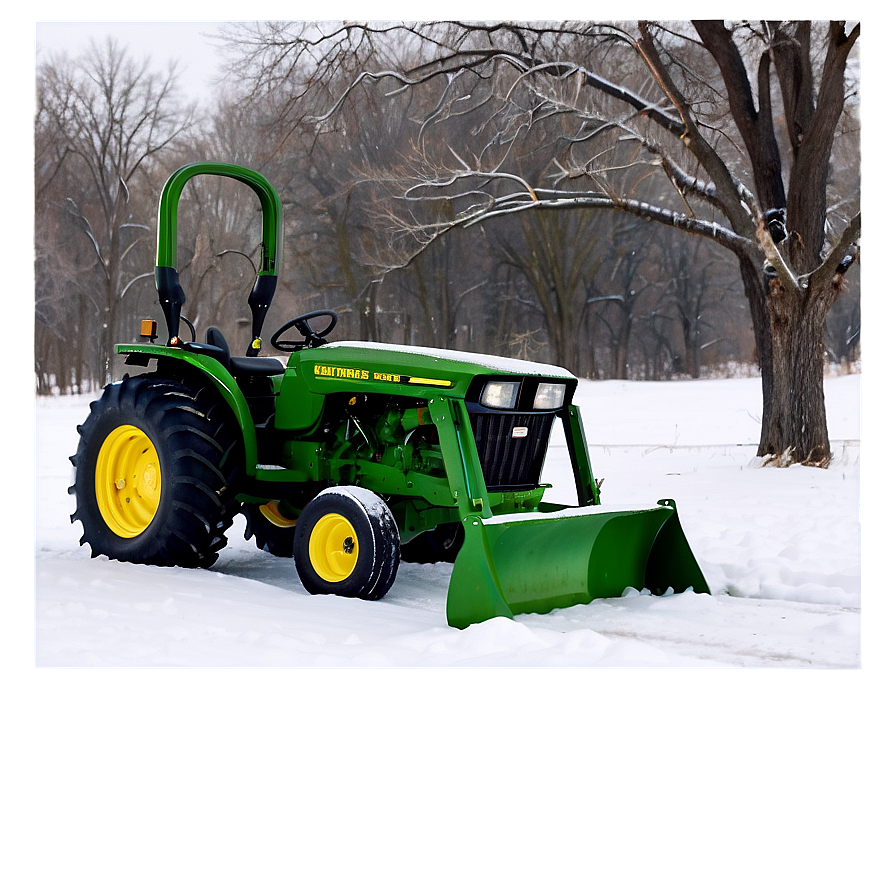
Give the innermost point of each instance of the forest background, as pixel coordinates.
(373, 135)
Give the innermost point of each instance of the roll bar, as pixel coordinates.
(171, 295)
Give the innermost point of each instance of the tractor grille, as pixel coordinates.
(508, 462)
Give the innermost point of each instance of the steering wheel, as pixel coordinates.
(312, 337)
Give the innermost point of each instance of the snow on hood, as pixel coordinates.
(492, 362)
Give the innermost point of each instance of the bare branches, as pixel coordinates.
(726, 188)
(360, 79)
(548, 82)
(112, 113)
(84, 226)
(101, 117)
(471, 195)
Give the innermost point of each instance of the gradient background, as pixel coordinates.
(667, 781)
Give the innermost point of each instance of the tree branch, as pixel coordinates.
(755, 126)
(134, 280)
(492, 206)
(84, 226)
(730, 197)
(776, 259)
(841, 256)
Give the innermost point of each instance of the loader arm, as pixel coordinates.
(555, 556)
(353, 451)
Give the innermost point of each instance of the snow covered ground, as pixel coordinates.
(779, 548)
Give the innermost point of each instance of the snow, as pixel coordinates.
(779, 548)
(491, 362)
(370, 503)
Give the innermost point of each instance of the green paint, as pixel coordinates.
(397, 421)
(218, 376)
(544, 561)
(271, 208)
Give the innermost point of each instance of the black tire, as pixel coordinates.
(439, 545)
(269, 536)
(172, 498)
(347, 543)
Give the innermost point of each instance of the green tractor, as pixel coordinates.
(351, 456)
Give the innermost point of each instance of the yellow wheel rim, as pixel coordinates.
(333, 548)
(128, 481)
(271, 512)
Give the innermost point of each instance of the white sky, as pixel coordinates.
(187, 42)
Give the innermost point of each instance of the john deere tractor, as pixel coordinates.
(350, 456)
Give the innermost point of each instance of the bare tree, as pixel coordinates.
(739, 120)
(102, 120)
(615, 310)
(701, 293)
(558, 256)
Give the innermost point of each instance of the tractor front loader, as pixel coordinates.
(352, 456)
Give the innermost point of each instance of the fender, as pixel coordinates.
(220, 378)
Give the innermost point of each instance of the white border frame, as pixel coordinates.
(607, 782)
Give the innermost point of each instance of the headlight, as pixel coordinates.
(549, 396)
(500, 395)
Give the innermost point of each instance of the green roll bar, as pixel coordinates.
(171, 295)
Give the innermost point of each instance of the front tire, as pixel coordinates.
(347, 543)
(155, 471)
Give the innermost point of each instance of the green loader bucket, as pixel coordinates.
(538, 562)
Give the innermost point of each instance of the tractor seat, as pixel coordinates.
(238, 366)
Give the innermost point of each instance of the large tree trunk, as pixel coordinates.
(789, 331)
(798, 419)
(755, 177)
(755, 287)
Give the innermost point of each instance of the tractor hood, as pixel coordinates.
(344, 366)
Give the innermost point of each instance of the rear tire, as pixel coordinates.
(155, 471)
(347, 543)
